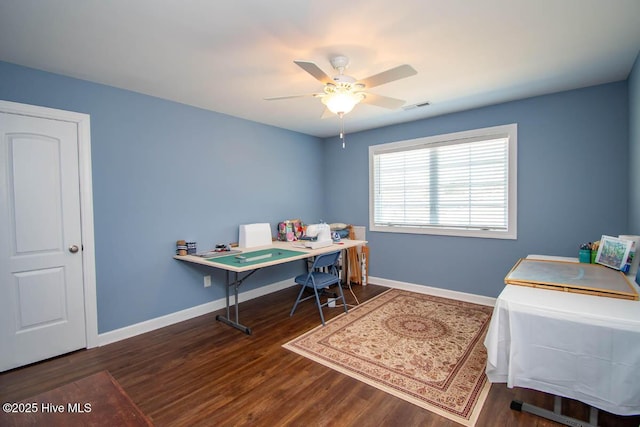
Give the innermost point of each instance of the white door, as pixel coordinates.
(42, 305)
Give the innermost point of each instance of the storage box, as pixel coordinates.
(251, 235)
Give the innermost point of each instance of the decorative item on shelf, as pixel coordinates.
(181, 247)
(191, 248)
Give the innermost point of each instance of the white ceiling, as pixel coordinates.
(227, 56)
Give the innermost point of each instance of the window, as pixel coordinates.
(460, 184)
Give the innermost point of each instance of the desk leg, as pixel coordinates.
(556, 414)
(345, 267)
(344, 255)
(227, 319)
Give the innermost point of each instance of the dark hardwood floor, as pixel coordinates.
(202, 372)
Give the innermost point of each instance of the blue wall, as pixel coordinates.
(572, 188)
(164, 171)
(634, 148)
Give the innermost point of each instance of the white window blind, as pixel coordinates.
(458, 184)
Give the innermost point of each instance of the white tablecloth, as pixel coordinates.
(572, 345)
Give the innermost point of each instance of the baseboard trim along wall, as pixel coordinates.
(430, 290)
(199, 310)
(189, 313)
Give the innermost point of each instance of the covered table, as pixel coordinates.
(572, 345)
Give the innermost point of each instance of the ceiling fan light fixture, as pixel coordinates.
(340, 100)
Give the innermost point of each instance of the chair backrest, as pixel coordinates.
(325, 260)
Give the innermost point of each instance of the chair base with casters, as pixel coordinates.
(320, 280)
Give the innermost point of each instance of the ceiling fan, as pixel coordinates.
(342, 92)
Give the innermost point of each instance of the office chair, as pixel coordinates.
(317, 279)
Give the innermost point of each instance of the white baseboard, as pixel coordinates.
(199, 310)
(429, 290)
(189, 313)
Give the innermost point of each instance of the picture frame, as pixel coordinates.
(613, 252)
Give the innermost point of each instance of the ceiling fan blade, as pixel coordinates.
(382, 101)
(393, 74)
(277, 98)
(315, 71)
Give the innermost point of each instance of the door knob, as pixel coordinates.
(73, 249)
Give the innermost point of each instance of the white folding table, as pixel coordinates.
(297, 252)
(571, 345)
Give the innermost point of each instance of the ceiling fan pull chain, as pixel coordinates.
(342, 129)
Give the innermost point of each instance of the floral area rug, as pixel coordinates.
(424, 349)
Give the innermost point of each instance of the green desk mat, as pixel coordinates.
(276, 254)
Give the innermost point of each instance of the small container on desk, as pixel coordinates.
(585, 256)
(181, 247)
(191, 248)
